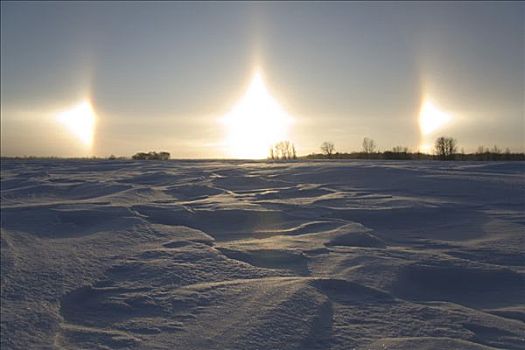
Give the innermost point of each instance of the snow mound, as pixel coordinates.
(357, 239)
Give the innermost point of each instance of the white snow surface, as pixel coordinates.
(255, 255)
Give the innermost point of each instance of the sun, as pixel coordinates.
(255, 123)
(80, 122)
(431, 118)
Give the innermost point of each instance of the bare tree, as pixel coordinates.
(328, 148)
(482, 149)
(445, 147)
(283, 150)
(369, 146)
(400, 149)
(272, 154)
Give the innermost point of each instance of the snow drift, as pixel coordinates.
(255, 255)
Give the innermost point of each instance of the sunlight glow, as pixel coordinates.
(80, 122)
(426, 148)
(255, 123)
(431, 118)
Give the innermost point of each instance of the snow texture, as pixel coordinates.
(255, 255)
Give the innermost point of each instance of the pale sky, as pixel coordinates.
(99, 78)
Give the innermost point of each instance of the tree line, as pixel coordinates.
(151, 156)
(445, 148)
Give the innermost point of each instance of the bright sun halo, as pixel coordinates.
(431, 118)
(80, 122)
(255, 123)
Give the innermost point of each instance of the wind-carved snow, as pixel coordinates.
(255, 255)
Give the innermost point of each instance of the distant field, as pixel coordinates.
(253, 255)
